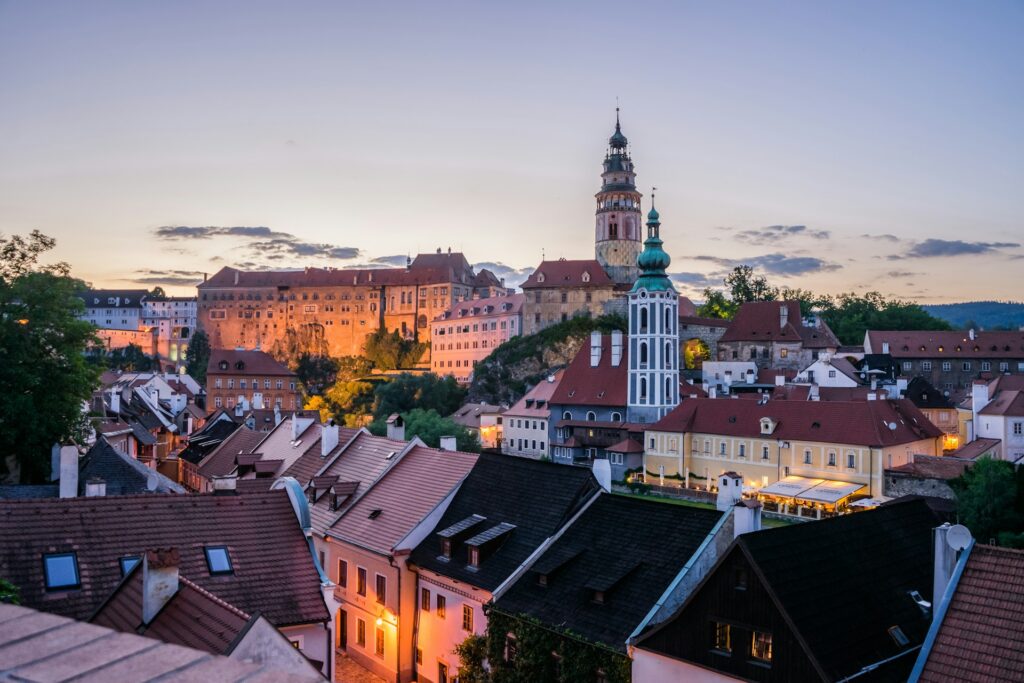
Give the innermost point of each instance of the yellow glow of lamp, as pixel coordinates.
(380, 621)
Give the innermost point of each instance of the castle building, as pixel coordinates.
(618, 220)
(467, 333)
(334, 311)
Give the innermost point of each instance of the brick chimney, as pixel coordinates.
(159, 580)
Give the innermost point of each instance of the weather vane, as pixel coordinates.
(653, 190)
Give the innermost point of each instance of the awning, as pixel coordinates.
(830, 491)
(790, 487)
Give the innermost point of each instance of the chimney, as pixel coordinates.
(872, 396)
(751, 376)
(885, 347)
(448, 443)
(730, 490)
(238, 409)
(299, 424)
(329, 437)
(780, 380)
(713, 392)
(115, 401)
(603, 473)
(874, 383)
(68, 472)
(979, 399)
(95, 487)
(783, 315)
(204, 277)
(225, 485)
(746, 517)
(396, 427)
(277, 414)
(595, 349)
(159, 580)
(970, 334)
(236, 278)
(945, 561)
(616, 348)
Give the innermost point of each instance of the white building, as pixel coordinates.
(998, 413)
(525, 428)
(830, 371)
(174, 318)
(114, 309)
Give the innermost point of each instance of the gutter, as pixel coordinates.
(940, 615)
(679, 577)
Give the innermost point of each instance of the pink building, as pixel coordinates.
(467, 333)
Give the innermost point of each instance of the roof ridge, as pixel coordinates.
(207, 594)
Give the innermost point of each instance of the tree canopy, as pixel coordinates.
(391, 351)
(198, 356)
(408, 391)
(990, 501)
(45, 377)
(429, 426)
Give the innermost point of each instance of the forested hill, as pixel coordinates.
(986, 315)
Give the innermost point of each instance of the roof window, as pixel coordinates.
(61, 571)
(375, 513)
(899, 636)
(217, 560)
(128, 563)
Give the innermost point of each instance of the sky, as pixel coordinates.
(835, 146)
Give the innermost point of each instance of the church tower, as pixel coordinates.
(617, 235)
(653, 332)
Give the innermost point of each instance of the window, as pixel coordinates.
(926, 365)
(1018, 428)
(721, 448)
(743, 450)
(946, 366)
(807, 456)
(764, 452)
(343, 573)
(419, 656)
(425, 599)
(217, 560)
(440, 606)
(832, 374)
(378, 641)
(128, 564)
(967, 365)
(986, 366)
(360, 581)
(511, 648)
(442, 672)
(615, 458)
(907, 365)
(741, 578)
(899, 636)
(474, 552)
(851, 461)
(832, 459)
(382, 588)
(61, 571)
(360, 633)
(467, 618)
(721, 637)
(1003, 367)
(761, 646)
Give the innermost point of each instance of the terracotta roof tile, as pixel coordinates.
(244, 362)
(563, 273)
(528, 405)
(956, 344)
(476, 308)
(221, 460)
(761, 321)
(604, 385)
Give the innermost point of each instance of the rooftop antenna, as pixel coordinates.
(653, 190)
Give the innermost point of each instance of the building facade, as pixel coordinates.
(525, 429)
(332, 311)
(563, 289)
(774, 334)
(251, 379)
(470, 330)
(174, 319)
(618, 221)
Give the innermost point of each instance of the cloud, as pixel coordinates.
(900, 273)
(266, 244)
(696, 279)
(394, 260)
(172, 278)
(775, 233)
(174, 232)
(776, 264)
(290, 246)
(513, 276)
(933, 247)
(887, 237)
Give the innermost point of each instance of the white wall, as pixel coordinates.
(436, 638)
(519, 440)
(649, 667)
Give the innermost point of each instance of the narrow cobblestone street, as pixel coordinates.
(346, 670)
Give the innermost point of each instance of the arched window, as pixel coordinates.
(616, 417)
(668, 320)
(668, 355)
(591, 416)
(643, 389)
(668, 389)
(567, 415)
(643, 354)
(643, 318)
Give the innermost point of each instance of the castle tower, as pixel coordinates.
(618, 221)
(653, 332)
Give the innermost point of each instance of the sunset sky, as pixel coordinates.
(835, 145)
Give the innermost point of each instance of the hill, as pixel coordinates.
(987, 315)
(515, 366)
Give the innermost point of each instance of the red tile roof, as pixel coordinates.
(563, 273)
(244, 362)
(702, 322)
(981, 638)
(975, 449)
(955, 344)
(478, 308)
(686, 307)
(273, 571)
(864, 423)
(604, 385)
(222, 459)
(933, 467)
(759, 321)
(541, 392)
(1005, 403)
(404, 496)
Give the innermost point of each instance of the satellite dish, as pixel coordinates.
(958, 537)
(892, 426)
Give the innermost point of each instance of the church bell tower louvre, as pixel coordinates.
(618, 220)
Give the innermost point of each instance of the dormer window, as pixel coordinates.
(597, 597)
(542, 580)
(223, 365)
(540, 277)
(128, 564)
(474, 556)
(446, 548)
(586, 276)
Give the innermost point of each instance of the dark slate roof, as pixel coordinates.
(843, 582)
(123, 474)
(537, 497)
(26, 491)
(924, 395)
(632, 548)
(981, 637)
(273, 574)
(202, 443)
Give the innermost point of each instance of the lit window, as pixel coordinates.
(128, 564)
(61, 571)
(761, 646)
(425, 599)
(378, 642)
(721, 634)
(361, 581)
(217, 560)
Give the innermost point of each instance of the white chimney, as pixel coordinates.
(730, 490)
(751, 376)
(712, 392)
(236, 277)
(299, 424)
(448, 443)
(979, 399)
(945, 561)
(780, 380)
(872, 396)
(115, 401)
(329, 437)
(746, 517)
(616, 348)
(595, 348)
(159, 580)
(277, 414)
(603, 473)
(885, 347)
(396, 427)
(783, 315)
(970, 334)
(225, 484)
(95, 487)
(68, 472)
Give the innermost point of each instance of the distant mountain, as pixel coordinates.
(986, 315)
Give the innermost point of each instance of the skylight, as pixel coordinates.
(128, 564)
(374, 514)
(61, 570)
(217, 560)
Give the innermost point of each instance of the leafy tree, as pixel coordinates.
(346, 402)
(987, 499)
(472, 652)
(851, 315)
(198, 356)
(130, 358)
(429, 426)
(44, 375)
(157, 293)
(352, 367)
(390, 351)
(9, 593)
(316, 372)
(745, 286)
(427, 391)
(716, 305)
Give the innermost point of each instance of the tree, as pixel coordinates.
(157, 293)
(408, 391)
(45, 377)
(987, 499)
(851, 315)
(316, 372)
(429, 426)
(198, 356)
(745, 286)
(472, 652)
(390, 351)
(352, 367)
(130, 358)
(716, 305)
(346, 402)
